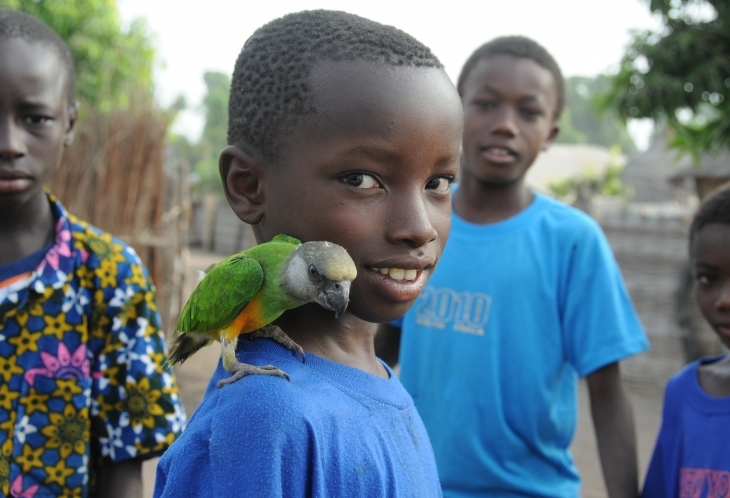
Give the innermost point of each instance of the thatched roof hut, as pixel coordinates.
(649, 173)
(661, 174)
(712, 171)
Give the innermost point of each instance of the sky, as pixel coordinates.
(586, 37)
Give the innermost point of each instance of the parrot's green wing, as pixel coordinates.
(224, 291)
(287, 239)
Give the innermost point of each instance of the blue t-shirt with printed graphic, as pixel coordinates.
(692, 456)
(492, 350)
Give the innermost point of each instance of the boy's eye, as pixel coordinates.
(485, 104)
(361, 180)
(442, 183)
(36, 119)
(704, 279)
(530, 113)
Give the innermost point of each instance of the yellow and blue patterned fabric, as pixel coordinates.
(83, 381)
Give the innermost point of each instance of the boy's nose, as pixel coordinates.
(723, 298)
(11, 144)
(410, 222)
(505, 122)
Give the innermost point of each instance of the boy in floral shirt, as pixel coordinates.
(84, 392)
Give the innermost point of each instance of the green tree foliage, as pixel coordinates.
(214, 137)
(113, 66)
(680, 76)
(215, 105)
(582, 122)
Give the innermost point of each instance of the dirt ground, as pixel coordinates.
(193, 378)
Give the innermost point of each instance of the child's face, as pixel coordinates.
(509, 117)
(371, 172)
(36, 118)
(711, 264)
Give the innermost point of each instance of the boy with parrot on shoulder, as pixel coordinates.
(346, 131)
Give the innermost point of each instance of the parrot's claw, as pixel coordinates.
(275, 333)
(243, 369)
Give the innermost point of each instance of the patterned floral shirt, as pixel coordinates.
(83, 380)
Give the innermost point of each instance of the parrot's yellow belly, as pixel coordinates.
(251, 318)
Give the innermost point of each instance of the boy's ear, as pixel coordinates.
(241, 173)
(554, 131)
(73, 114)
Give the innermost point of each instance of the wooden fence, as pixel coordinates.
(650, 245)
(114, 177)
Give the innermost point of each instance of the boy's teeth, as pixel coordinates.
(398, 273)
(498, 150)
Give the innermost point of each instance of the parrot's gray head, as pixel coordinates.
(320, 272)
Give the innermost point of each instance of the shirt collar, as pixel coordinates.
(58, 264)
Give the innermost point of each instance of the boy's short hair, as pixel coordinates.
(519, 47)
(270, 88)
(14, 24)
(715, 208)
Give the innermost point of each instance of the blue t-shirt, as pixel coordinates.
(491, 352)
(692, 453)
(331, 431)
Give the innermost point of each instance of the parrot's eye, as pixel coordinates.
(313, 271)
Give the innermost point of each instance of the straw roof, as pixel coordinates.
(649, 173)
(562, 161)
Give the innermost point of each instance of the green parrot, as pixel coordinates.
(245, 292)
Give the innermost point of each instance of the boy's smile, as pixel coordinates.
(711, 264)
(509, 117)
(371, 171)
(36, 118)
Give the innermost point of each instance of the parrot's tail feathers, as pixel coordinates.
(185, 344)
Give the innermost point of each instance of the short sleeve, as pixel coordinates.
(599, 321)
(136, 409)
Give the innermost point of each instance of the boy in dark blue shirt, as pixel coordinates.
(345, 130)
(691, 456)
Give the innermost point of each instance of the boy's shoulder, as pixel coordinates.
(564, 217)
(544, 217)
(317, 388)
(90, 258)
(317, 391)
(687, 380)
(685, 399)
(269, 399)
(95, 246)
(99, 244)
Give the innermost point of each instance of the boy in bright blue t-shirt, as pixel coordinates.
(345, 130)
(692, 457)
(527, 298)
